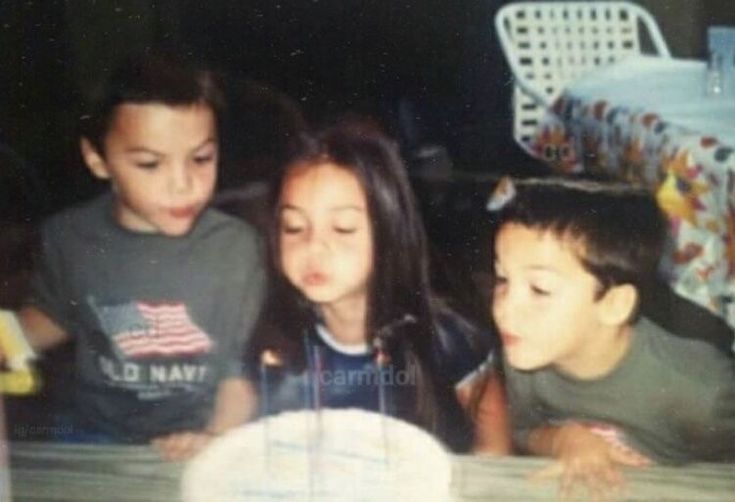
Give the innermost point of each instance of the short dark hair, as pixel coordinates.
(621, 229)
(151, 78)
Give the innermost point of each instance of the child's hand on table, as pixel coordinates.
(586, 458)
(181, 446)
(229, 412)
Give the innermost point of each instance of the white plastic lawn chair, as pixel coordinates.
(549, 44)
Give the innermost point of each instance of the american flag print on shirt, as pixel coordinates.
(142, 329)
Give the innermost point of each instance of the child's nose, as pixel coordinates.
(180, 180)
(317, 243)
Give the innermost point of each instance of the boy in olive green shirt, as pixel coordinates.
(589, 382)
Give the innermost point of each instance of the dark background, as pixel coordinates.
(430, 70)
(436, 62)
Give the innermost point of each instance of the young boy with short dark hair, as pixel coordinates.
(159, 291)
(589, 381)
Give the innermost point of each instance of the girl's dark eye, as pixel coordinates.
(204, 159)
(147, 165)
(345, 230)
(286, 229)
(540, 291)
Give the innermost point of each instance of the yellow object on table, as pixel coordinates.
(18, 377)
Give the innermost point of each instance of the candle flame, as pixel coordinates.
(269, 358)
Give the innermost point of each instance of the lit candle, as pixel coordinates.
(308, 396)
(381, 361)
(268, 359)
(318, 405)
(317, 389)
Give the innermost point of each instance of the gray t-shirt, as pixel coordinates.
(158, 321)
(670, 398)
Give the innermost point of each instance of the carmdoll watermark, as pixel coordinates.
(369, 376)
(25, 432)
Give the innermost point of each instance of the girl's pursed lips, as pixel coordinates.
(315, 278)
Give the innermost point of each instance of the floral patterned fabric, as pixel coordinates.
(692, 173)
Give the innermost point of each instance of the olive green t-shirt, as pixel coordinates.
(670, 398)
(158, 321)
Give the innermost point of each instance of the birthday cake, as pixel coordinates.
(333, 455)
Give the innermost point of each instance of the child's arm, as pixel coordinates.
(476, 380)
(21, 335)
(235, 404)
(40, 330)
(484, 400)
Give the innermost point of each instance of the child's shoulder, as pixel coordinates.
(91, 221)
(87, 216)
(461, 346)
(453, 327)
(686, 358)
(214, 222)
(227, 239)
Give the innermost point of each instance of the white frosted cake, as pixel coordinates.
(337, 455)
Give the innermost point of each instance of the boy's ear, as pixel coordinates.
(618, 304)
(94, 160)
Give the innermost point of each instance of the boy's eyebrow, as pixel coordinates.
(204, 143)
(347, 206)
(544, 268)
(144, 149)
(335, 208)
(533, 268)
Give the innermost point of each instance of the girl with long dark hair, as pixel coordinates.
(351, 321)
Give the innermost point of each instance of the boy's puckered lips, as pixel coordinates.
(185, 212)
(509, 339)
